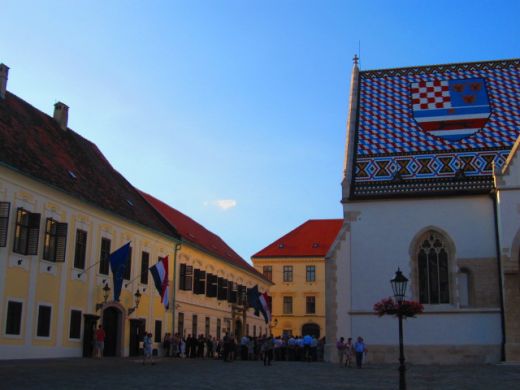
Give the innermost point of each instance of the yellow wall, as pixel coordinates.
(298, 289)
(34, 281)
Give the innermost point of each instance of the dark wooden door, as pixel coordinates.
(89, 329)
(137, 329)
(111, 325)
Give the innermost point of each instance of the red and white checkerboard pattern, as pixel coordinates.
(429, 95)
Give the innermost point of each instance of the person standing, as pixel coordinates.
(100, 342)
(348, 352)
(360, 348)
(147, 347)
(340, 346)
(268, 347)
(167, 344)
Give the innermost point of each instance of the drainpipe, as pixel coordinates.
(494, 197)
(177, 248)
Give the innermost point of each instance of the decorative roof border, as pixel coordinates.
(414, 70)
(424, 188)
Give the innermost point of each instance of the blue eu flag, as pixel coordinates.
(118, 264)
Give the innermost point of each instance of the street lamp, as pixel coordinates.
(106, 293)
(399, 283)
(137, 298)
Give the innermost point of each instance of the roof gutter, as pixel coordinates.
(494, 197)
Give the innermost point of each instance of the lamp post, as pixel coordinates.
(106, 292)
(137, 298)
(399, 283)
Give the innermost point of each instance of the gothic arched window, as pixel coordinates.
(432, 261)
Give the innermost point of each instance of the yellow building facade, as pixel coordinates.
(63, 211)
(295, 263)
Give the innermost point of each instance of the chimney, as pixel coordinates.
(61, 114)
(4, 71)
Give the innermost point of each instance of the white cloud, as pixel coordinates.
(223, 204)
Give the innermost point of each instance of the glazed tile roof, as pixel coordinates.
(434, 129)
(201, 237)
(32, 143)
(311, 239)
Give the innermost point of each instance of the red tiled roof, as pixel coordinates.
(32, 143)
(311, 239)
(197, 234)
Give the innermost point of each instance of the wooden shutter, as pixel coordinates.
(231, 292)
(4, 222)
(61, 241)
(196, 288)
(211, 288)
(34, 233)
(222, 289)
(202, 282)
(182, 277)
(186, 276)
(145, 262)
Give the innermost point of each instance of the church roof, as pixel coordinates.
(32, 143)
(434, 130)
(198, 235)
(311, 239)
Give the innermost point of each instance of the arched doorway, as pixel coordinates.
(112, 325)
(311, 330)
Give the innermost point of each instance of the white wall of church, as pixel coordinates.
(382, 238)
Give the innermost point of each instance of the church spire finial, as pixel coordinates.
(355, 59)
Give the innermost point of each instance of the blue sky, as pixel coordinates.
(233, 112)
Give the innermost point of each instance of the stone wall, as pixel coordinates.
(435, 354)
(483, 286)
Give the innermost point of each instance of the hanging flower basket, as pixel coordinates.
(391, 307)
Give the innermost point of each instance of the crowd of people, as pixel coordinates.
(230, 348)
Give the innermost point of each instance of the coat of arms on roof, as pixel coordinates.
(450, 109)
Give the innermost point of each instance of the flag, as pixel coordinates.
(118, 264)
(264, 300)
(160, 278)
(451, 109)
(254, 299)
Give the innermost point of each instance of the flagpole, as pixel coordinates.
(177, 248)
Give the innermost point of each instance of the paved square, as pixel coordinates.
(116, 373)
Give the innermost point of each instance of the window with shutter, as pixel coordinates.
(145, 262)
(232, 292)
(81, 249)
(182, 276)
(211, 285)
(222, 289)
(4, 222)
(27, 232)
(196, 277)
(104, 256)
(188, 281)
(55, 241)
(128, 267)
(200, 282)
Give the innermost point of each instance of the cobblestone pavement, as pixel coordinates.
(116, 373)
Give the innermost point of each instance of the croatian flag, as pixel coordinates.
(264, 301)
(451, 109)
(160, 277)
